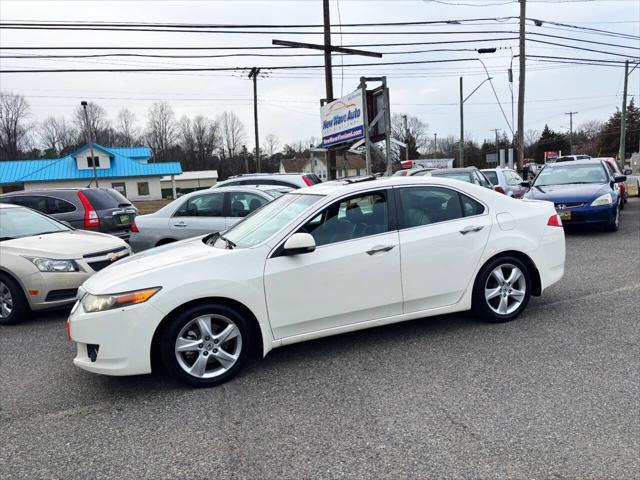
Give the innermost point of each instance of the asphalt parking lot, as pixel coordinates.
(555, 394)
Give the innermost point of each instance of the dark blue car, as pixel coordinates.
(583, 191)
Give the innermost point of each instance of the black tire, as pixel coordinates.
(615, 223)
(165, 241)
(175, 325)
(19, 306)
(480, 305)
(622, 202)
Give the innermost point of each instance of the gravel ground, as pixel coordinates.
(555, 394)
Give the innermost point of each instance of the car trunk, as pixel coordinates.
(115, 212)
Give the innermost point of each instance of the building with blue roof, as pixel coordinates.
(126, 169)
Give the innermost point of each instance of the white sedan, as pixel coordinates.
(328, 259)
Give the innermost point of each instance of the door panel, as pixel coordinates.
(352, 276)
(199, 215)
(336, 285)
(438, 259)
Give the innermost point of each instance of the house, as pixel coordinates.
(188, 182)
(347, 165)
(126, 169)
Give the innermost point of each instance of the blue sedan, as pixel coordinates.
(583, 191)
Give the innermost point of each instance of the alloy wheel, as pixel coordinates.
(208, 346)
(6, 301)
(505, 289)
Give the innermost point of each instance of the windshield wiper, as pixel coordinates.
(230, 244)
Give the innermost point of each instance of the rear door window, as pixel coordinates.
(242, 204)
(209, 205)
(57, 205)
(492, 176)
(37, 202)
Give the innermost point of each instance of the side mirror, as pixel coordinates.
(299, 243)
(525, 184)
(628, 171)
(620, 178)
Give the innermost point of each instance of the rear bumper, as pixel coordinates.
(139, 242)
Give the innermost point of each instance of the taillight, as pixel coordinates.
(90, 215)
(134, 227)
(306, 180)
(554, 221)
(499, 189)
(403, 174)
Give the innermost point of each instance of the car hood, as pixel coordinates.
(71, 244)
(568, 193)
(131, 272)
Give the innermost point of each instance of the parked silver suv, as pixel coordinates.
(293, 180)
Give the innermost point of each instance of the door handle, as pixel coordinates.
(181, 224)
(380, 248)
(470, 229)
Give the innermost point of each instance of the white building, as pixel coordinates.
(347, 165)
(188, 182)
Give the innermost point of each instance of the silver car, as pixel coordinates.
(44, 261)
(200, 213)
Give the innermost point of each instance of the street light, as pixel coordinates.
(90, 141)
(463, 99)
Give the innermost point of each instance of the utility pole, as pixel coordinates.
(253, 74)
(90, 142)
(571, 114)
(406, 138)
(435, 144)
(496, 130)
(521, 62)
(461, 146)
(623, 120)
(328, 80)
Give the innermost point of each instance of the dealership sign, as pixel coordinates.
(342, 120)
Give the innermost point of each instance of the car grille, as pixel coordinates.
(65, 294)
(103, 253)
(562, 206)
(100, 264)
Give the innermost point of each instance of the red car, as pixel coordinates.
(611, 162)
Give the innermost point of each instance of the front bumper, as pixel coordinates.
(123, 338)
(587, 215)
(54, 290)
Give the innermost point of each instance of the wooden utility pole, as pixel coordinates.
(253, 74)
(435, 144)
(522, 63)
(623, 120)
(406, 138)
(328, 80)
(461, 146)
(571, 114)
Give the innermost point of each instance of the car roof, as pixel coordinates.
(585, 161)
(454, 170)
(9, 205)
(356, 184)
(231, 188)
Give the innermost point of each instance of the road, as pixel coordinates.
(555, 394)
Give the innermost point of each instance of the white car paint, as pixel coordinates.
(428, 270)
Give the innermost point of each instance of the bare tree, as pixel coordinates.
(92, 125)
(233, 133)
(126, 130)
(271, 144)
(161, 129)
(57, 136)
(14, 112)
(418, 139)
(531, 136)
(200, 139)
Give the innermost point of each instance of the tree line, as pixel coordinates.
(204, 143)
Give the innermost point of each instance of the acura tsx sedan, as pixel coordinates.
(332, 258)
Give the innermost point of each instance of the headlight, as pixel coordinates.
(52, 265)
(605, 199)
(98, 303)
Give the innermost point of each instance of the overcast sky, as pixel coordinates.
(289, 100)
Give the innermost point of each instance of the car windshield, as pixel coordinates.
(22, 222)
(271, 218)
(465, 177)
(491, 175)
(571, 174)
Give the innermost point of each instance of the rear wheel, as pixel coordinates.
(206, 345)
(13, 305)
(501, 290)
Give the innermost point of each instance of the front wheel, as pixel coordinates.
(13, 305)
(501, 290)
(205, 345)
(615, 223)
